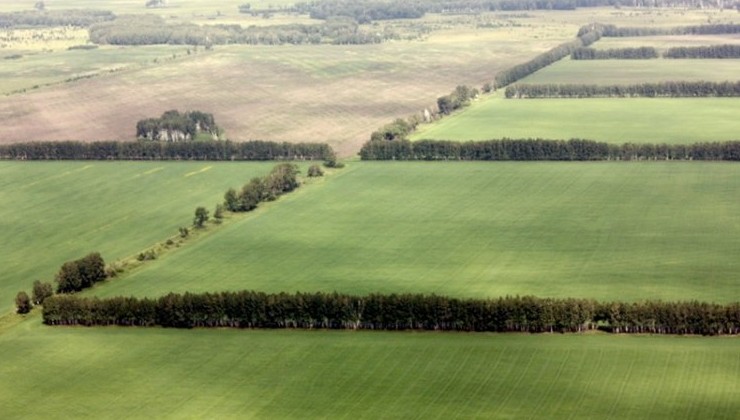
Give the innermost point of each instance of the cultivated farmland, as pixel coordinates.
(53, 212)
(599, 230)
(616, 120)
(156, 373)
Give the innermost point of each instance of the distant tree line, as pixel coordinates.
(639, 53)
(250, 309)
(710, 29)
(74, 17)
(586, 36)
(710, 51)
(539, 149)
(148, 150)
(174, 126)
(153, 30)
(282, 179)
(366, 11)
(650, 90)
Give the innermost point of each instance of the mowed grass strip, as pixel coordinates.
(158, 373)
(605, 230)
(625, 72)
(52, 212)
(615, 120)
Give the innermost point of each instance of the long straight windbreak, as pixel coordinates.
(250, 309)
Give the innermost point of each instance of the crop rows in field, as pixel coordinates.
(625, 231)
(293, 374)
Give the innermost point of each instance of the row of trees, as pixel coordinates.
(282, 179)
(174, 126)
(148, 150)
(586, 36)
(74, 17)
(638, 53)
(709, 51)
(250, 309)
(539, 149)
(152, 30)
(650, 90)
(709, 29)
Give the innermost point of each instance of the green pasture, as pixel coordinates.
(624, 72)
(52, 212)
(156, 373)
(614, 120)
(619, 230)
(664, 42)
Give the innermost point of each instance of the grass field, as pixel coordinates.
(667, 41)
(157, 373)
(52, 212)
(621, 72)
(601, 230)
(615, 120)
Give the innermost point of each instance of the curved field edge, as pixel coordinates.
(605, 230)
(85, 372)
(614, 120)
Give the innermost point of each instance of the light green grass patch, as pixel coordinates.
(622, 72)
(52, 212)
(157, 373)
(620, 230)
(615, 120)
(666, 41)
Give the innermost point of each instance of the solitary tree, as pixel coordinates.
(23, 303)
(219, 212)
(41, 291)
(201, 217)
(314, 171)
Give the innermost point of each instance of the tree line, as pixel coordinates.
(638, 53)
(153, 30)
(709, 51)
(709, 29)
(650, 90)
(73, 17)
(586, 36)
(174, 126)
(251, 309)
(148, 150)
(540, 149)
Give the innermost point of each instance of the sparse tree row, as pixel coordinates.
(250, 309)
(148, 150)
(74, 17)
(650, 90)
(538, 149)
(587, 35)
(153, 30)
(282, 179)
(713, 29)
(639, 53)
(709, 51)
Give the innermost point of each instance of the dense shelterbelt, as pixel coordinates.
(250, 309)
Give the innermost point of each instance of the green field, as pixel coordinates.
(626, 231)
(666, 41)
(51, 212)
(615, 120)
(157, 373)
(623, 72)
